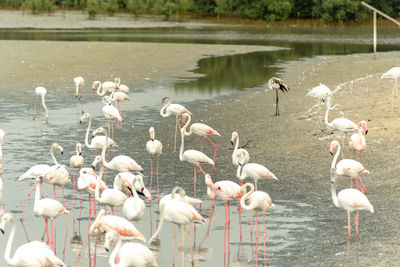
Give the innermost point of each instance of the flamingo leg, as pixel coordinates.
(176, 131)
(94, 206)
(226, 209)
(158, 187)
(348, 237)
(215, 151)
(201, 144)
(151, 171)
(277, 103)
(265, 257)
(195, 181)
(356, 224)
(209, 224)
(47, 231)
(52, 235)
(27, 200)
(73, 194)
(229, 228)
(360, 185)
(256, 219)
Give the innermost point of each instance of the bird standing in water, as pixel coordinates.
(277, 84)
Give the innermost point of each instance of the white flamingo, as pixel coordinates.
(129, 254)
(192, 156)
(121, 87)
(103, 88)
(277, 84)
(130, 181)
(393, 73)
(153, 148)
(357, 141)
(119, 97)
(41, 91)
(239, 155)
(169, 109)
(30, 254)
(133, 208)
(110, 113)
(202, 130)
(255, 171)
(97, 141)
(79, 82)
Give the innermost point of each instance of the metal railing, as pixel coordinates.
(383, 15)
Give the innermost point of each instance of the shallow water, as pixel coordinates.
(27, 143)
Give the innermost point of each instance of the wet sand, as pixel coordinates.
(291, 145)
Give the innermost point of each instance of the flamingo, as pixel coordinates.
(119, 163)
(111, 196)
(119, 97)
(343, 125)
(153, 148)
(357, 141)
(34, 253)
(41, 91)
(129, 254)
(97, 141)
(240, 155)
(2, 134)
(121, 87)
(258, 201)
(347, 167)
(177, 211)
(255, 171)
(128, 181)
(110, 112)
(169, 109)
(79, 82)
(277, 84)
(47, 208)
(226, 191)
(76, 162)
(320, 92)
(393, 73)
(87, 181)
(192, 156)
(122, 226)
(133, 208)
(351, 200)
(202, 130)
(61, 176)
(105, 87)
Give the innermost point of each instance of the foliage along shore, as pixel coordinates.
(312, 12)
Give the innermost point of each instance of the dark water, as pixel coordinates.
(27, 142)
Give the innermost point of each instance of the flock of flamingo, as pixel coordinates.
(130, 245)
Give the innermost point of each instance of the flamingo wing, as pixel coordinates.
(197, 157)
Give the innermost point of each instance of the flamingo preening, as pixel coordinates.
(133, 208)
(121, 87)
(240, 155)
(202, 130)
(129, 253)
(79, 82)
(41, 91)
(33, 253)
(277, 84)
(351, 200)
(169, 109)
(357, 141)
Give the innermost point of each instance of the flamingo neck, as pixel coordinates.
(99, 177)
(87, 133)
(190, 132)
(158, 229)
(333, 194)
(114, 254)
(335, 158)
(103, 92)
(182, 142)
(103, 151)
(237, 143)
(245, 196)
(163, 111)
(45, 108)
(7, 253)
(52, 155)
(37, 197)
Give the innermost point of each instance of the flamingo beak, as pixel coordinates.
(80, 121)
(93, 167)
(107, 249)
(232, 142)
(62, 152)
(2, 231)
(130, 189)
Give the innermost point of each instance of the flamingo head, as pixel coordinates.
(234, 136)
(97, 159)
(334, 144)
(6, 217)
(364, 125)
(83, 117)
(165, 100)
(110, 237)
(184, 117)
(79, 148)
(207, 180)
(151, 133)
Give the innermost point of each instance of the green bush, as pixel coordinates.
(93, 7)
(38, 6)
(111, 6)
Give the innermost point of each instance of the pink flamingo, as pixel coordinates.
(41, 91)
(47, 208)
(121, 87)
(240, 155)
(177, 211)
(350, 200)
(87, 181)
(226, 191)
(33, 253)
(103, 88)
(79, 82)
(119, 97)
(119, 163)
(122, 226)
(258, 201)
(169, 109)
(153, 148)
(192, 156)
(202, 130)
(126, 181)
(347, 167)
(97, 141)
(133, 208)
(110, 196)
(110, 112)
(357, 140)
(129, 254)
(255, 171)
(393, 73)
(76, 162)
